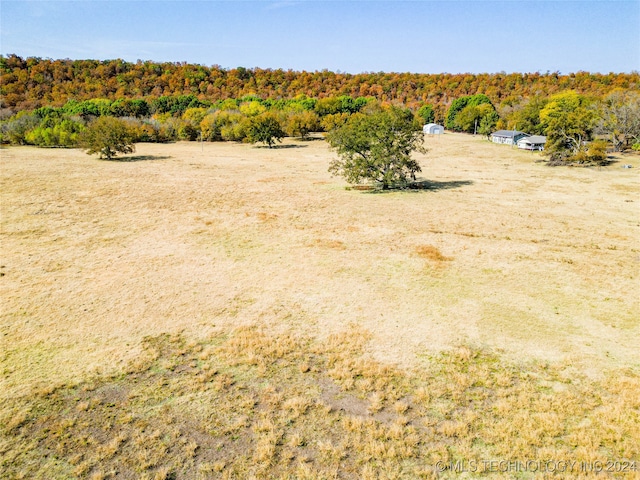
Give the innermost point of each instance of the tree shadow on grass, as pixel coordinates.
(435, 186)
(310, 138)
(422, 185)
(137, 158)
(278, 147)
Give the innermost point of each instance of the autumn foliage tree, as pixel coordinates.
(568, 120)
(301, 124)
(620, 119)
(28, 83)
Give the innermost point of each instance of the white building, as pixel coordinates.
(534, 142)
(433, 129)
(507, 137)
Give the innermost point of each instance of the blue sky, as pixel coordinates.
(417, 36)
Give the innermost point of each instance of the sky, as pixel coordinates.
(419, 36)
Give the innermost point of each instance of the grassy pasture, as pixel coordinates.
(227, 311)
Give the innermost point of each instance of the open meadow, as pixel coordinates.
(223, 310)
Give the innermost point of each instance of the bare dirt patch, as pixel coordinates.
(97, 255)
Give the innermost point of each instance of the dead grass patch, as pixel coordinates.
(328, 243)
(265, 217)
(270, 419)
(432, 253)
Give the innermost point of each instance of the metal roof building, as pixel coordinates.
(508, 137)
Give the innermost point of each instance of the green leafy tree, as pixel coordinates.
(194, 115)
(488, 124)
(252, 108)
(568, 120)
(55, 132)
(225, 125)
(265, 128)
(125, 107)
(426, 113)
(304, 101)
(527, 116)
(328, 106)
(334, 120)
(377, 147)
(471, 117)
(459, 104)
(107, 136)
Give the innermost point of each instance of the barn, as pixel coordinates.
(508, 137)
(534, 142)
(433, 129)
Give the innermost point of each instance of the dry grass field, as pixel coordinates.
(230, 311)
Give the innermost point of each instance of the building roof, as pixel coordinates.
(535, 139)
(508, 133)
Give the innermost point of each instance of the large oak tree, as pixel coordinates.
(377, 147)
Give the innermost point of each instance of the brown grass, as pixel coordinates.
(493, 314)
(270, 420)
(432, 253)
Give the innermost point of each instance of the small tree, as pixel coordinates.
(265, 128)
(620, 118)
(301, 124)
(377, 147)
(427, 114)
(107, 136)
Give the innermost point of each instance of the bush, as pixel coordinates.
(301, 124)
(15, 130)
(224, 125)
(593, 154)
(55, 133)
(107, 136)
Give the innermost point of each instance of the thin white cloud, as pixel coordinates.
(283, 4)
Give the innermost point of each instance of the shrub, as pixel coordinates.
(301, 124)
(15, 129)
(55, 133)
(107, 136)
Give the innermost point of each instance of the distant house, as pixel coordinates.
(508, 137)
(433, 129)
(533, 142)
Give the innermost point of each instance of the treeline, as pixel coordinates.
(182, 117)
(568, 118)
(27, 84)
(64, 98)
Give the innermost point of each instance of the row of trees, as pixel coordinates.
(569, 120)
(180, 118)
(29, 83)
